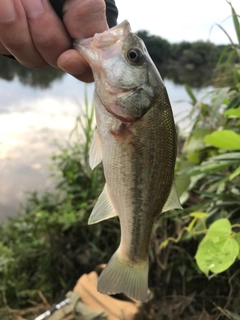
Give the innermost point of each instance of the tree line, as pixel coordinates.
(185, 62)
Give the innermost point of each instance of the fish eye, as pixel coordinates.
(135, 55)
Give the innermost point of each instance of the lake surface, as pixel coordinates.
(37, 110)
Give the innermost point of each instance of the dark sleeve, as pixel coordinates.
(58, 6)
(111, 10)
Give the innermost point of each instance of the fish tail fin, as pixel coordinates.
(124, 276)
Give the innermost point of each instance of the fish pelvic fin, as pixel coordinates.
(95, 152)
(123, 276)
(103, 209)
(173, 200)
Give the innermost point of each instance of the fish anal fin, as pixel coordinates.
(95, 152)
(173, 200)
(103, 209)
(121, 276)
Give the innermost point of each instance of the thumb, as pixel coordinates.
(84, 18)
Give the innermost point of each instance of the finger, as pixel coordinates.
(3, 50)
(90, 14)
(47, 30)
(15, 36)
(72, 62)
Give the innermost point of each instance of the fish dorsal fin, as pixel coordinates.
(95, 152)
(173, 200)
(103, 209)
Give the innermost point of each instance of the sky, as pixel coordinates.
(179, 20)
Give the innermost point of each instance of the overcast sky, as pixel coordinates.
(178, 20)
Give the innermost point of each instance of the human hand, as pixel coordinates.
(31, 31)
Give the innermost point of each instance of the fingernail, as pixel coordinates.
(7, 11)
(33, 8)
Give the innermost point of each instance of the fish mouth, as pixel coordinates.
(106, 38)
(93, 49)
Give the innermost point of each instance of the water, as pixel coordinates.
(36, 110)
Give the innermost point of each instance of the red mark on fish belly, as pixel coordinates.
(123, 132)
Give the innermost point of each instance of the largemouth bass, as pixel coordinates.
(136, 140)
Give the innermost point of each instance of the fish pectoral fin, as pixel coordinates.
(95, 152)
(103, 209)
(173, 200)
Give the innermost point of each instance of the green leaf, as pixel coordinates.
(226, 156)
(229, 38)
(198, 215)
(225, 139)
(234, 103)
(191, 94)
(235, 174)
(182, 179)
(233, 113)
(236, 23)
(231, 315)
(218, 250)
(209, 168)
(195, 140)
(216, 256)
(220, 227)
(237, 238)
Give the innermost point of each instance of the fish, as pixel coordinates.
(137, 144)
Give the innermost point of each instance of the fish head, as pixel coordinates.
(126, 80)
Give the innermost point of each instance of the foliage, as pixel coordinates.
(208, 170)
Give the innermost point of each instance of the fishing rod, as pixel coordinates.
(54, 308)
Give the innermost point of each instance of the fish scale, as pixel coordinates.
(136, 141)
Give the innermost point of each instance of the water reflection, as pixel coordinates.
(194, 77)
(10, 69)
